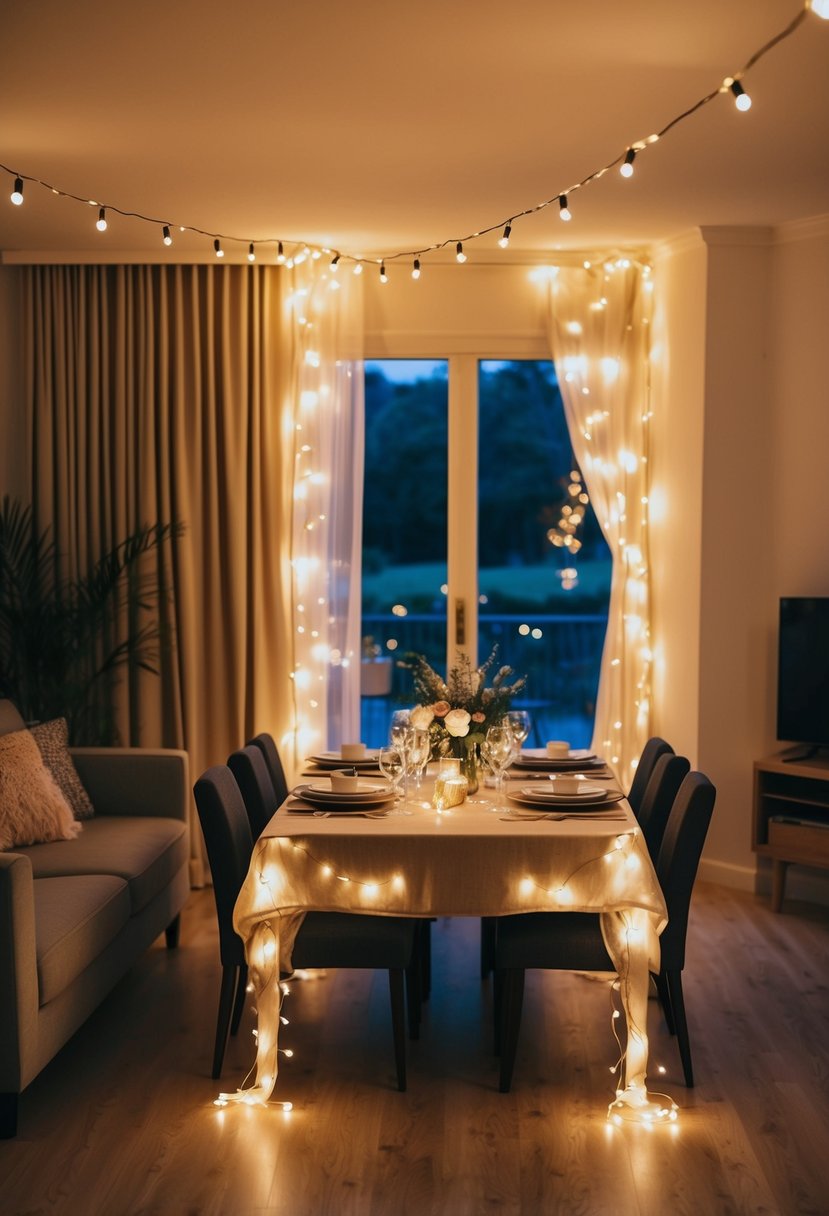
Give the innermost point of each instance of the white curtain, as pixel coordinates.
(324, 415)
(599, 326)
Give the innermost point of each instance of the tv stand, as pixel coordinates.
(816, 749)
(790, 823)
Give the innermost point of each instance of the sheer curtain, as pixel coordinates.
(599, 327)
(325, 420)
(154, 394)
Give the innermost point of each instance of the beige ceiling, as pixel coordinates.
(381, 127)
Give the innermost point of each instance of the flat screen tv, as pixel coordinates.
(803, 671)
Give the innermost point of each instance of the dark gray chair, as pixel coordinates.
(268, 748)
(653, 749)
(343, 939)
(572, 941)
(658, 798)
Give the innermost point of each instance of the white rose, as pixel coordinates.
(457, 722)
(421, 717)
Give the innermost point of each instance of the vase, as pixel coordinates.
(469, 766)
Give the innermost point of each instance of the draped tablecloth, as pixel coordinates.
(467, 862)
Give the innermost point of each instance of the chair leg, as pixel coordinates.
(663, 992)
(8, 1115)
(226, 995)
(497, 1002)
(512, 1000)
(171, 933)
(239, 1003)
(674, 981)
(487, 945)
(398, 1024)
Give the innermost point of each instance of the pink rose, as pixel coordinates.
(479, 717)
(441, 708)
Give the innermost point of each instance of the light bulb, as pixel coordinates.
(741, 98)
(820, 8)
(563, 209)
(384, 278)
(504, 240)
(280, 254)
(335, 261)
(358, 267)
(217, 247)
(17, 193)
(416, 268)
(165, 235)
(251, 253)
(459, 253)
(101, 222)
(626, 169)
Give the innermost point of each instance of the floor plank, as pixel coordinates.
(122, 1122)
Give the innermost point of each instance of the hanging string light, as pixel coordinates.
(251, 253)
(416, 268)
(165, 235)
(624, 161)
(101, 222)
(217, 248)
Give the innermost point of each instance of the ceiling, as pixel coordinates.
(376, 128)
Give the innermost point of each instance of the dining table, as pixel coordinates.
(487, 857)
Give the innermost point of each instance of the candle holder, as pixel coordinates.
(450, 784)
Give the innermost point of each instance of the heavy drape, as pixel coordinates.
(158, 393)
(599, 326)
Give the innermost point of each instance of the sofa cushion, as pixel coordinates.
(10, 719)
(76, 920)
(53, 740)
(147, 853)
(32, 808)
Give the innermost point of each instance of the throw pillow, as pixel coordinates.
(32, 808)
(53, 740)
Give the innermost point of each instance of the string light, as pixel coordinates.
(416, 268)
(358, 267)
(384, 278)
(563, 209)
(335, 263)
(101, 222)
(819, 7)
(504, 240)
(626, 169)
(251, 253)
(17, 193)
(741, 98)
(165, 235)
(217, 248)
(460, 256)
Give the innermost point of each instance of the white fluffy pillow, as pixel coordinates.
(32, 808)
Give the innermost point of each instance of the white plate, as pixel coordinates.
(364, 788)
(585, 793)
(319, 795)
(572, 802)
(335, 760)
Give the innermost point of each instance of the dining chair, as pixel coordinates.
(653, 749)
(655, 807)
(267, 746)
(572, 941)
(344, 939)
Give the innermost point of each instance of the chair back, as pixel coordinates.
(269, 750)
(653, 749)
(251, 772)
(226, 830)
(658, 799)
(678, 861)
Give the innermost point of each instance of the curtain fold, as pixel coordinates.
(155, 394)
(599, 327)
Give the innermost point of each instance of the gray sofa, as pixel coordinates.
(75, 914)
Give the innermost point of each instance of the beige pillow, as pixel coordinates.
(53, 740)
(32, 808)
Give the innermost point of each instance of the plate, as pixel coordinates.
(572, 801)
(537, 759)
(586, 792)
(335, 760)
(320, 795)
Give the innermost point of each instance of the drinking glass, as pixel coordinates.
(518, 721)
(498, 748)
(392, 764)
(420, 746)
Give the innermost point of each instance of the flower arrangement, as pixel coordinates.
(459, 711)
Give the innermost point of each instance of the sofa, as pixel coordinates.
(76, 913)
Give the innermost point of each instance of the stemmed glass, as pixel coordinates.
(420, 746)
(498, 748)
(518, 721)
(392, 765)
(401, 735)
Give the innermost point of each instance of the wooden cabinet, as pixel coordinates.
(791, 816)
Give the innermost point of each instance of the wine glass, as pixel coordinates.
(400, 723)
(498, 748)
(392, 764)
(518, 721)
(420, 746)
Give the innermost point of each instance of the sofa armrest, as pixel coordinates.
(135, 780)
(18, 972)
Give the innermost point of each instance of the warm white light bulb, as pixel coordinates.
(101, 222)
(741, 99)
(416, 268)
(504, 240)
(820, 8)
(626, 169)
(459, 253)
(384, 278)
(563, 209)
(165, 235)
(251, 253)
(217, 248)
(17, 193)
(358, 267)
(335, 263)
(280, 254)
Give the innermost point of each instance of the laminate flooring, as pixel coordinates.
(122, 1122)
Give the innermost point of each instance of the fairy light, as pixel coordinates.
(165, 235)
(460, 256)
(563, 209)
(101, 222)
(17, 193)
(280, 254)
(251, 253)
(416, 268)
(217, 248)
(384, 278)
(626, 168)
(504, 240)
(819, 7)
(335, 263)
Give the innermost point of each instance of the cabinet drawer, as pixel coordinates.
(800, 842)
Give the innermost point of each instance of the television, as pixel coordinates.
(803, 671)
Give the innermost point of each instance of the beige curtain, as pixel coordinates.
(158, 393)
(599, 325)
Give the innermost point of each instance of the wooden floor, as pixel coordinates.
(122, 1122)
